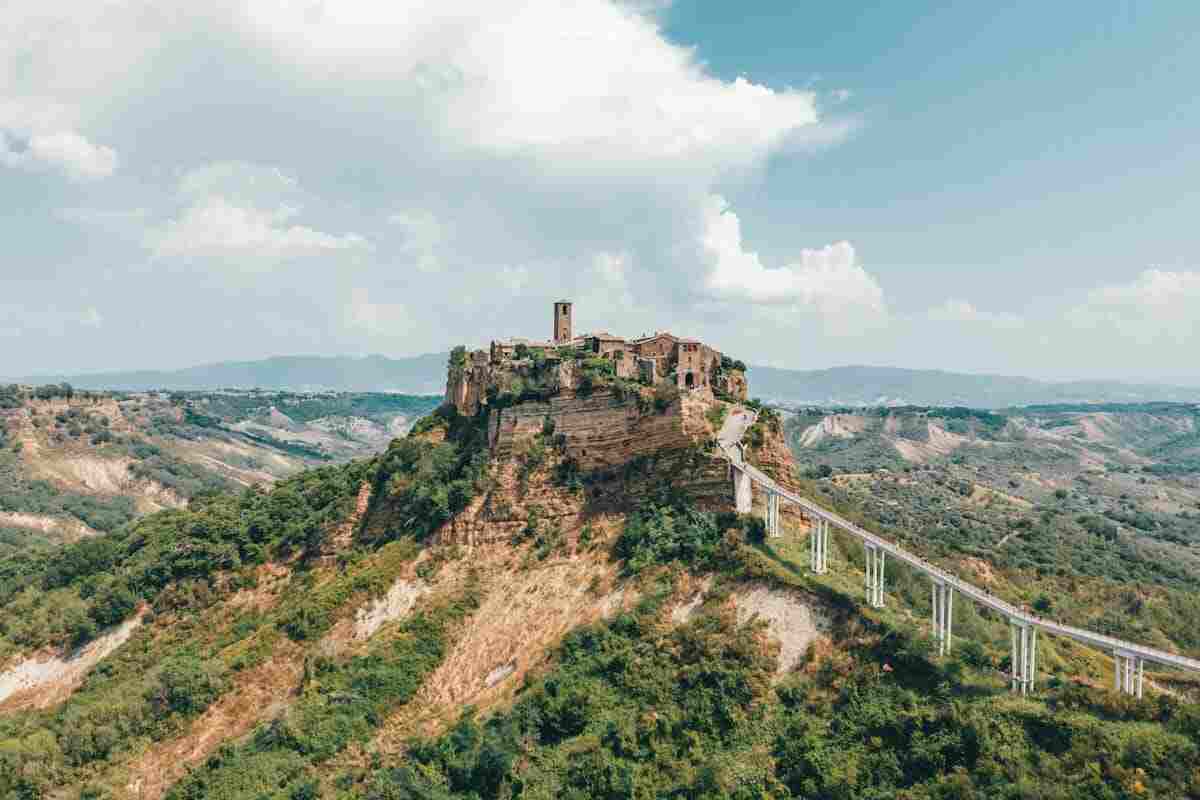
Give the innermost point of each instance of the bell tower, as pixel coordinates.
(562, 322)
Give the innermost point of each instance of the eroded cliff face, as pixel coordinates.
(617, 450)
(468, 385)
(602, 431)
(771, 453)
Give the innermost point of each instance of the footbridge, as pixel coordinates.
(1129, 657)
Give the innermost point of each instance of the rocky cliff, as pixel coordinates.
(571, 460)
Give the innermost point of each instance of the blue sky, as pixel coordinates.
(959, 186)
(1006, 151)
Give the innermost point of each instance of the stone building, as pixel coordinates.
(693, 364)
(562, 322)
(689, 363)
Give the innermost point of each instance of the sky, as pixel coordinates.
(997, 188)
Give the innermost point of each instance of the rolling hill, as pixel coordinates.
(423, 374)
(837, 386)
(873, 386)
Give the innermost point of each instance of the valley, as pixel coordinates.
(74, 463)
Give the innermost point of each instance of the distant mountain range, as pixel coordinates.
(416, 375)
(874, 386)
(839, 386)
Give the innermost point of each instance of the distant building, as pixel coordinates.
(562, 322)
(691, 363)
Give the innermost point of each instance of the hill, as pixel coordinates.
(873, 386)
(839, 386)
(1106, 491)
(74, 465)
(417, 375)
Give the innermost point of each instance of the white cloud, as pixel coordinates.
(242, 181)
(956, 310)
(607, 286)
(239, 210)
(534, 149)
(65, 151)
(575, 86)
(1159, 305)
(215, 228)
(828, 280)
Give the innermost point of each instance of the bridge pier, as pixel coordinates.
(1024, 655)
(1127, 673)
(818, 546)
(943, 615)
(743, 490)
(772, 513)
(875, 566)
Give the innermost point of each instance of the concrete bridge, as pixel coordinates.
(1129, 657)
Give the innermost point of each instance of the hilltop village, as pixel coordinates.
(571, 364)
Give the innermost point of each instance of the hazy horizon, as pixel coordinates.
(1184, 383)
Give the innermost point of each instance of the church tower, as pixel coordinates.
(562, 322)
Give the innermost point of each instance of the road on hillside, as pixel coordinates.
(733, 429)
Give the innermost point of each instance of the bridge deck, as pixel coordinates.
(981, 597)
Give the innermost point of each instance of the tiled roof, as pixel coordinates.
(659, 335)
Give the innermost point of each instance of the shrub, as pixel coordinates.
(112, 605)
(184, 685)
(660, 534)
(429, 483)
(665, 393)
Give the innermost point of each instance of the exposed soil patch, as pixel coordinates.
(46, 679)
(398, 601)
(981, 568)
(92, 474)
(834, 426)
(794, 619)
(523, 614)
(981, 495)
(259, 693)
(68, 529)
